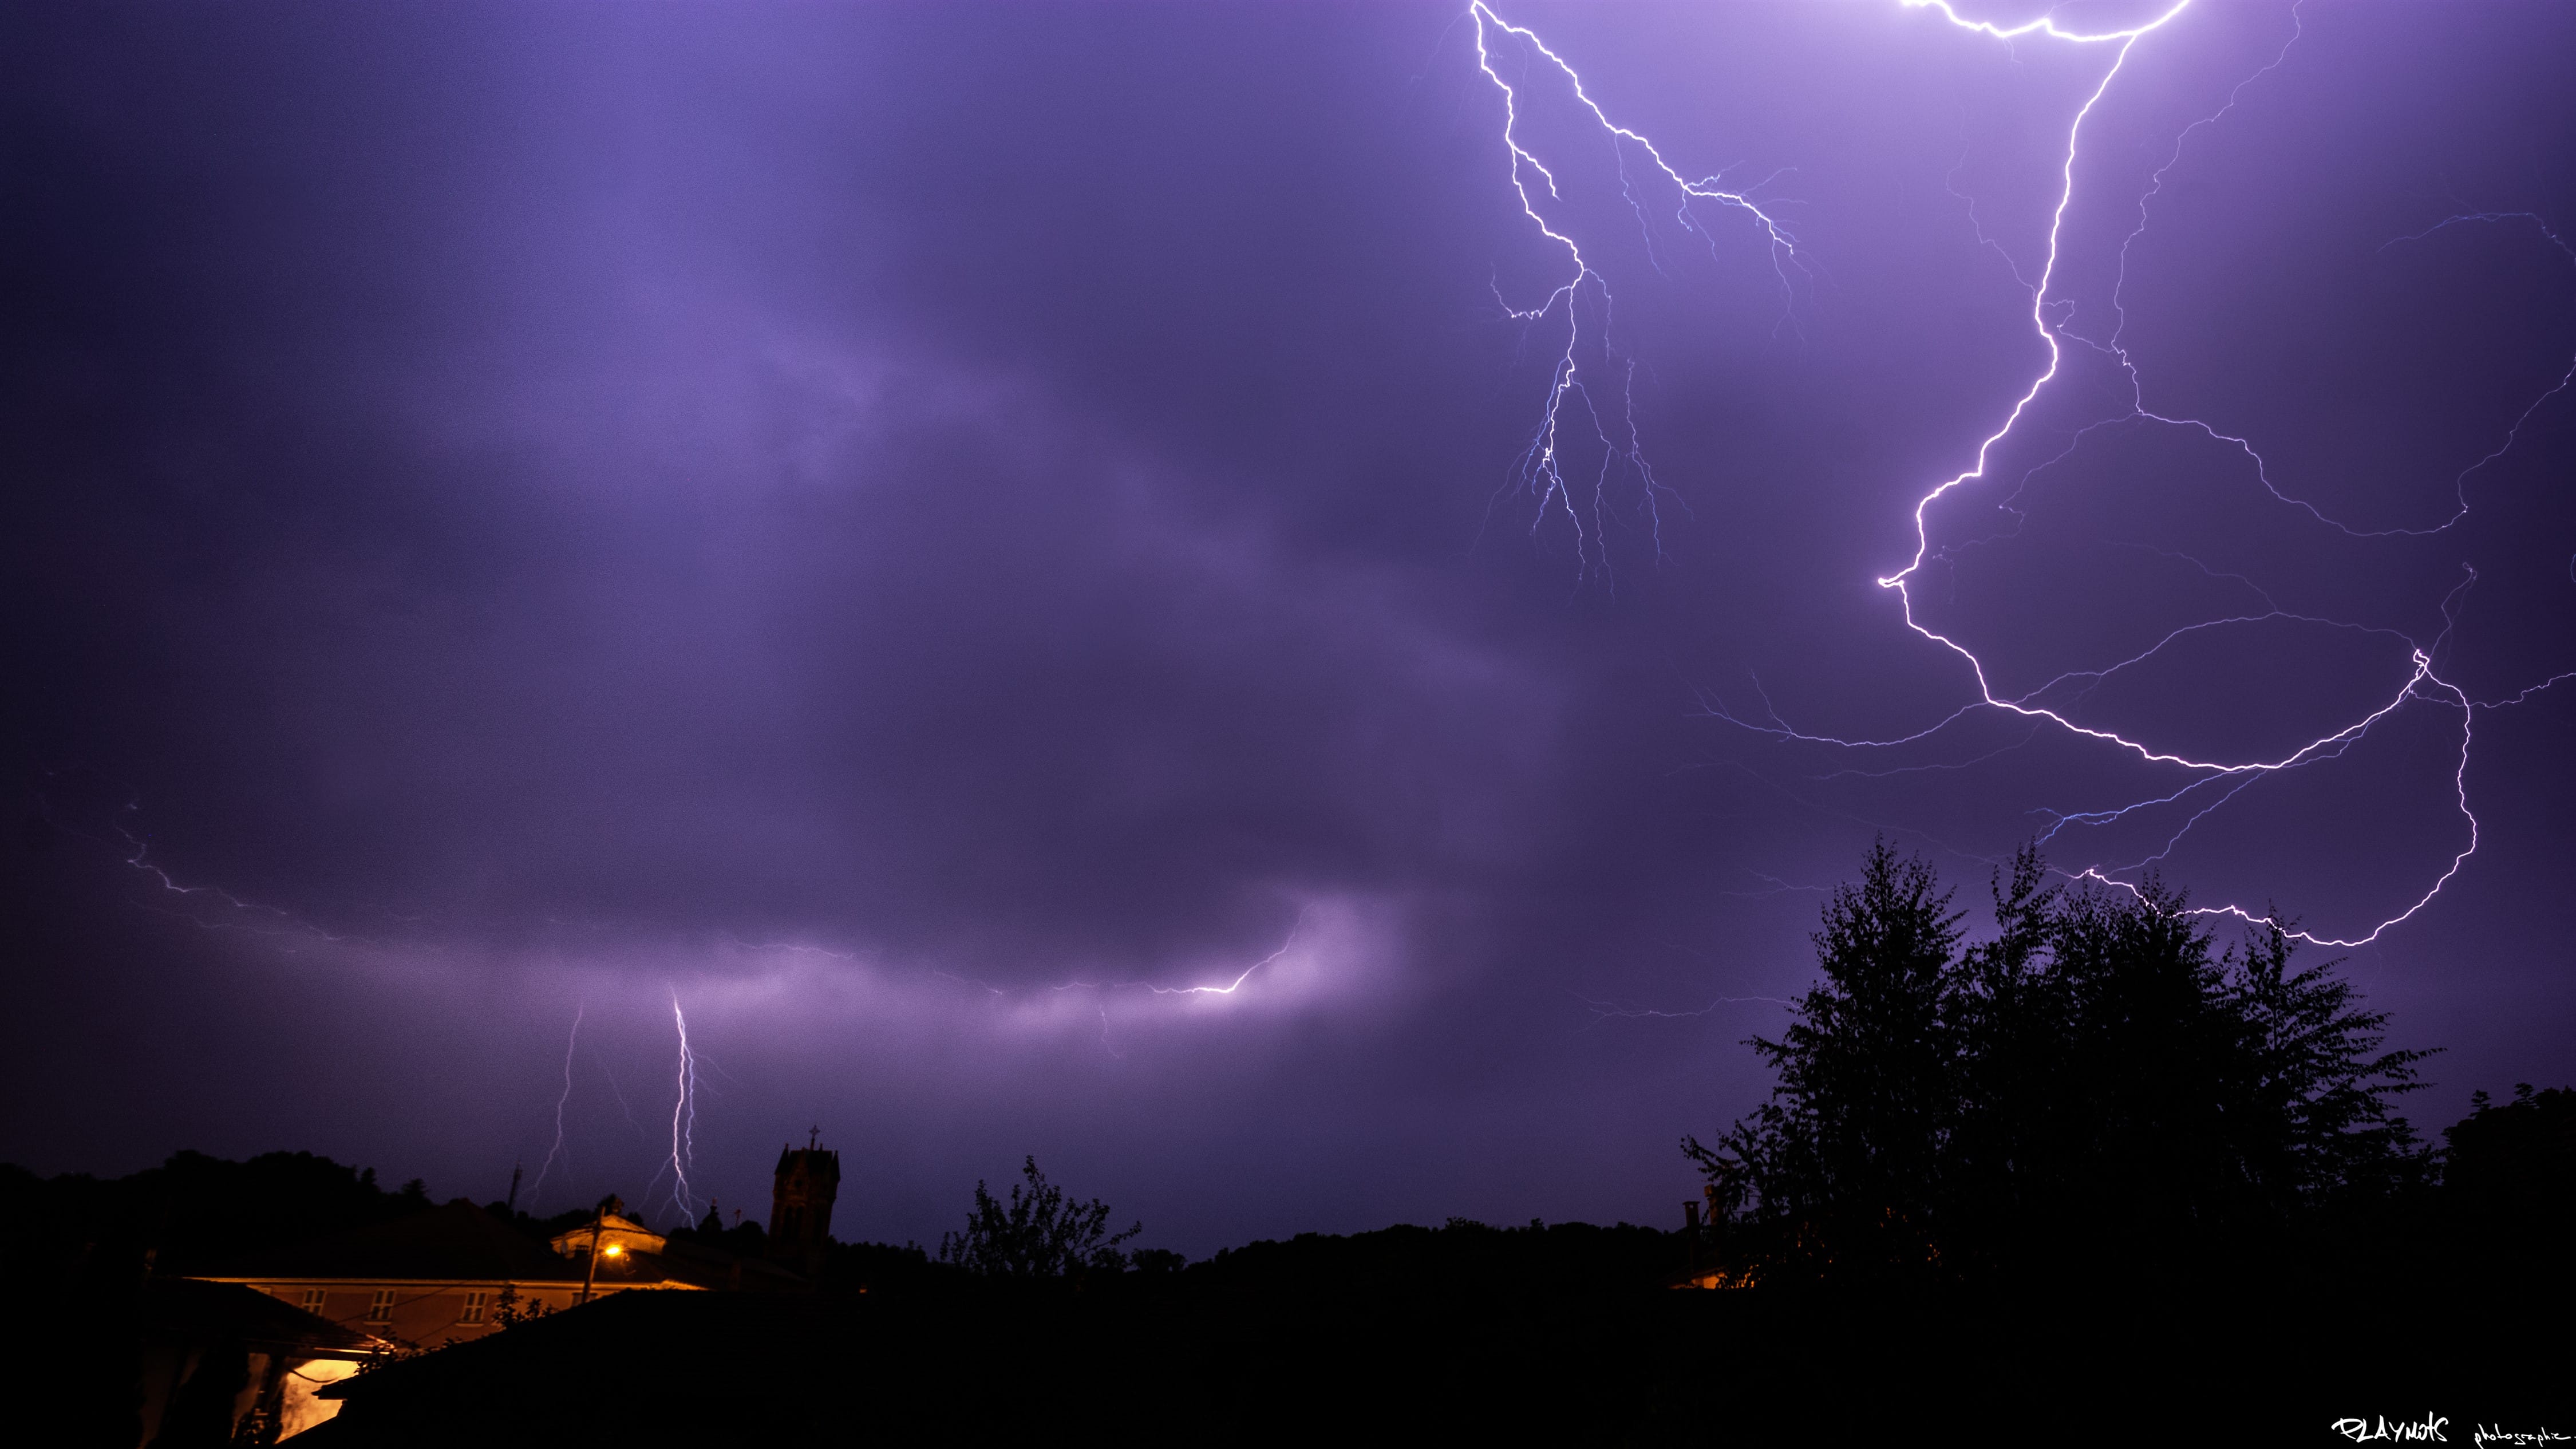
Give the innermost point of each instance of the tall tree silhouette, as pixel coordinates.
(1846, 1157)
(2088, 1085)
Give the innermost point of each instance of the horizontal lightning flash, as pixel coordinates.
(1231, 987)
(2217, 781)
(1228, 989)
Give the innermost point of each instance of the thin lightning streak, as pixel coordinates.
(624, 1109)
(2460, 481)
(1228, 989)
(558, 1149)
(1236, 984)
(1611, 1010)
(2526, 694)
(136, 853)
(1778, 887)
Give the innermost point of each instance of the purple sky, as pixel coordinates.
(925, 531)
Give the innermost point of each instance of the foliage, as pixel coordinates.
(2089, 1084)
(883, 1268)
(2508, 1173)
(1039, 1234)
(745, 1239)
(509, 1310)
(1460, 1263)
(195, 1213)
(2523, 1151)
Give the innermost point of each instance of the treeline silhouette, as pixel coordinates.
(2094, 1090)
(201, 1214)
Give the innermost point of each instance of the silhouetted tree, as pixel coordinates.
(2508, 1173)
(2090, 1084)
(1846, 1155)
(193, 1213)
(2521, 1152)
(1039, 1234)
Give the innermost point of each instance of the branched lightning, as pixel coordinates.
(2421, 682)
(1541, 466)
(236, 913)
(2209, 783)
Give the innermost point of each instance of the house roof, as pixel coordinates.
(189, 1310)
(699, 1266)
(607, 1229)
(457, 1242)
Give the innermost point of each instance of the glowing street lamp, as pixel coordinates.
(598, 1221)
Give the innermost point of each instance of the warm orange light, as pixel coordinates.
(614, 1250)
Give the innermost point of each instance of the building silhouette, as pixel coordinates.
(800, 1205)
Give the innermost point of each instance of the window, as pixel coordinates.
(312, 1300)
(474, 1305)
(382, 1309)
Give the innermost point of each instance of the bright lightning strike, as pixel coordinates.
(684, 1120)
(2224, 779)
(2421, 682)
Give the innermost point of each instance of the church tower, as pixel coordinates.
(800, 1205)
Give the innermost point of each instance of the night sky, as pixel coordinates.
(921, 533)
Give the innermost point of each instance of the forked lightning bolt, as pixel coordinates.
(2219, 780)
(1542, 464)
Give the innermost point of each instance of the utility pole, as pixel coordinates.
(598, 1220)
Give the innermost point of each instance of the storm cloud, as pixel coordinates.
(927, 533)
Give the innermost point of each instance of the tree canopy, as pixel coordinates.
(1040, 1233)
(2092, 1082)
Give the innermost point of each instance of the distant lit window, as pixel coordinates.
(312, 1300)
(474, 1305)
(382, 1309)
